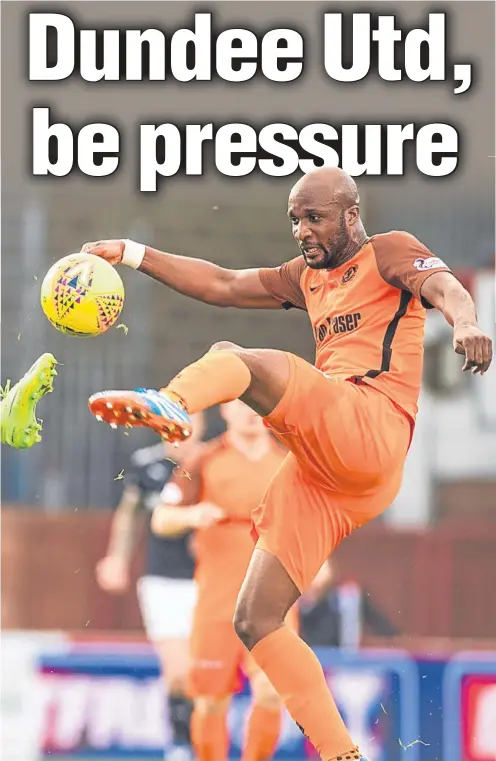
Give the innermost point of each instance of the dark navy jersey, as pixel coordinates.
(150, 471)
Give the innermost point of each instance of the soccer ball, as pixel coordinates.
(82, 295)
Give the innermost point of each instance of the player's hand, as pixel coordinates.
(110, 250)
(205, 515)
(475, 345)
(112, 574)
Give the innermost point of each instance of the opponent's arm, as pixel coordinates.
(447, 294)
(112, 571)
(196, 278)
(124, 525)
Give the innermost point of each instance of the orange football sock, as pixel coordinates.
(209, 736)
(297, 675)
(219, 376)
(262, 733)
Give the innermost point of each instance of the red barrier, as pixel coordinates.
(437, 584)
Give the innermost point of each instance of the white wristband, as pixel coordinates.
(133, 254)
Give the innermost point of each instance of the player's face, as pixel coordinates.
(241, 419)
(321, 230)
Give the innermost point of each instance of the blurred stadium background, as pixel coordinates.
(76, 669)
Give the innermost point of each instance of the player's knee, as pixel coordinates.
(225, 346)
(252, 627)
(241, 626)
(207, 705)
(244, 623)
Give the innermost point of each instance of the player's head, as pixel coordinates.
(241, 420)
(323, 208)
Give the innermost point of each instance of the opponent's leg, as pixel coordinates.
(227, 372)
(266, 596)
(209, 728)
(20, 427)
(264, 722)
(173, 656)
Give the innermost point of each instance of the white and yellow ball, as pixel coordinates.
(82, 295)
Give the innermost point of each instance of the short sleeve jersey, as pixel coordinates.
(222, 475)
(367, 315)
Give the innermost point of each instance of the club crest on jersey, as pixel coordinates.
(349, 274)
(428, 264)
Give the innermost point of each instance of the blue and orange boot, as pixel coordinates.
(162, 412)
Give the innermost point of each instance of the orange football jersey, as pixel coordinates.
(367, 315)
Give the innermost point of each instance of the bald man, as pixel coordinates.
(347, 421)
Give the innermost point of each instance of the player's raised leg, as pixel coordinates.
(293, 669)
(20, 427)
(227, 372)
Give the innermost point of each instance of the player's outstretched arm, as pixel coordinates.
(196, 278)
(447, 294)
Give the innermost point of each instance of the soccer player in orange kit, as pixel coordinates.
(347, 422)
(226, 479)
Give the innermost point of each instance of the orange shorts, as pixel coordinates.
(348, 444)
(218, 657)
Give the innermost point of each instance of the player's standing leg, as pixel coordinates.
(264, 724)
(265, 598)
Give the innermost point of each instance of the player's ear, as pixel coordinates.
(352, 214)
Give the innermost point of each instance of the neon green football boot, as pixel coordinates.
(19, 426)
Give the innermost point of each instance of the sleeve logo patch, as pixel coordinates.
(428, 264)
